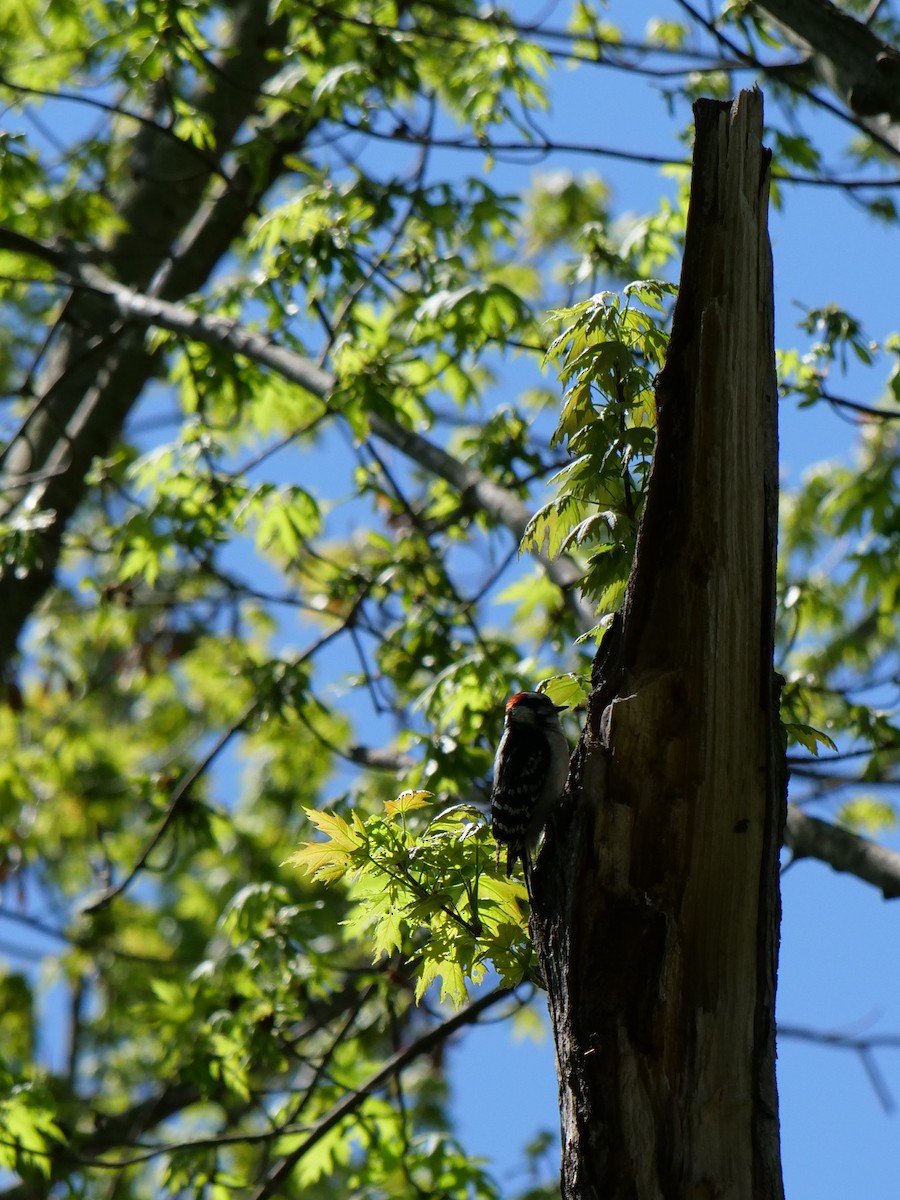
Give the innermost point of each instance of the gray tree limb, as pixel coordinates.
(848, 57)
(811, 837)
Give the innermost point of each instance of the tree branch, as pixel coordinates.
(863, 1047)
(810, 837)
(95, 368)
(391, 1069)
(498, 502)
(183, 789)
(851, 60)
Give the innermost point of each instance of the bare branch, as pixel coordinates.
(883, 133)
(864, 410)
(810, 837)
(863, 1047)
(848, 57)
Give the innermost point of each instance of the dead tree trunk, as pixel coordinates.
(656, 899)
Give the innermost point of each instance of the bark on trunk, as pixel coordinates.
(656, 899)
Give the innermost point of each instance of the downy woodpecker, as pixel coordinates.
(530, 771)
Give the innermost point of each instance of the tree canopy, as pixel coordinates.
(329, 413)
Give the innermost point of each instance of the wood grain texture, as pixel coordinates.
(656, 901)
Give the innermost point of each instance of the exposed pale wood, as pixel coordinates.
(656, 904)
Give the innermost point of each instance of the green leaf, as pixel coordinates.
(329, 860)
(808, 737)
(408, 802)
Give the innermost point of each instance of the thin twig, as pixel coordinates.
(271, 1185)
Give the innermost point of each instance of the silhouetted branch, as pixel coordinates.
(391, 1069)
(861, 1046)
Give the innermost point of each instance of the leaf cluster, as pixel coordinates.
(429, 892)
(608, 353)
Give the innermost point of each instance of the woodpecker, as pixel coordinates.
(530, 771)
